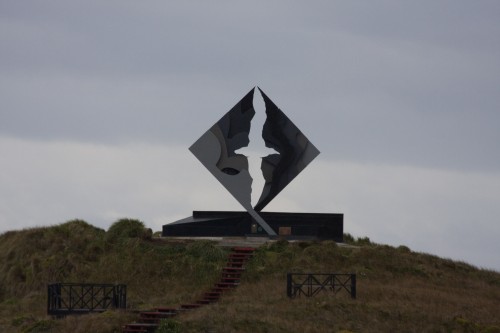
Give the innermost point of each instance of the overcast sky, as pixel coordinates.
(100, 100)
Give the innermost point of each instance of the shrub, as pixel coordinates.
(363, 241)
(206, 250)
(279, 246)
(348, 238)
(404, 249)
(78, 226)
(128, 228)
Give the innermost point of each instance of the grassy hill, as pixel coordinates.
(398, 290)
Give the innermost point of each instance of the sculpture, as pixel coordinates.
(216, 150)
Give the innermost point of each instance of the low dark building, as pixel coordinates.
(240, 224)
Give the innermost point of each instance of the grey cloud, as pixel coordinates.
(394, 83)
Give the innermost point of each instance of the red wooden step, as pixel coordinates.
(221, 289)
(243, 259)
(233, 269)
(169, 310)
(150, 320)
(140, 327)
(234, 264)
(240, 255)
(133, 330)
(203, 302)
(230, 279)
(126, 329)
(190, 306)
(226, 284)
(213, 293)
(156, 315)
(211, 298)
(235, 259)
(244, 249)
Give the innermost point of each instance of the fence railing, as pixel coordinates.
(74, 298)
(310, 284)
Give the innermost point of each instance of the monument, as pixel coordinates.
(216, 150)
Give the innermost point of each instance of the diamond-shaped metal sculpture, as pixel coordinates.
(216, 150)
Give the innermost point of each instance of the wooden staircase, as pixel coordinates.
(230, 278)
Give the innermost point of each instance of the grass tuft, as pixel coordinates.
(169, 326)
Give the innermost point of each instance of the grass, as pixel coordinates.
(398, 290)
(156, 273)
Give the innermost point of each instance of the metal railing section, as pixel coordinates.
(310, 284)
(73, 298)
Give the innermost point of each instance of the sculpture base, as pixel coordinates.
(240, 224)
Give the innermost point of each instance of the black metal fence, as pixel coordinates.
(74, 298)
(310, 284)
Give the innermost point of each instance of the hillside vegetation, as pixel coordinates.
(398, 290)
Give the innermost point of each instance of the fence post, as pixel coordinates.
(123, 302)
(49, 297)
(59, 295)
(289, 284)
(115, 297)
(353, 285)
